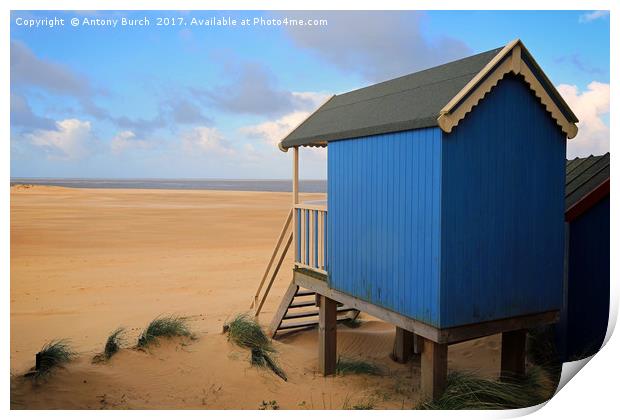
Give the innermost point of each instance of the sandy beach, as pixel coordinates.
(86, 261)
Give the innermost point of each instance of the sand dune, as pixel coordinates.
(84, 262)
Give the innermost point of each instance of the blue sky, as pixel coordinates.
(190, 101)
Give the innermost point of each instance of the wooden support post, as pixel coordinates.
(418, 343)
(295, 176)
(327, 335)
(434, 369)
(513, 354)
(403, 345)
(295, 201)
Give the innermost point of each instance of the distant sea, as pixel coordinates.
(278, 185)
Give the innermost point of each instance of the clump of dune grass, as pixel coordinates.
(52, 355)
(353, 366)
(466, 391)
(244, 331)
(542, 350)
(164, 326)
(112, 345)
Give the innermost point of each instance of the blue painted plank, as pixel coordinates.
(377, 188)
(502, 210)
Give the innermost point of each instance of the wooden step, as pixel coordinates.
(306, 324)
(302, 304)
(306, 314)
(290, 300)
(293, 325)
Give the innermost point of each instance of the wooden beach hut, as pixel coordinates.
(444, 212)
(585, 312)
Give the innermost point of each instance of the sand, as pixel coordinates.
(85, 261)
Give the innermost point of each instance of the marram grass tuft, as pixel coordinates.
(165, 326)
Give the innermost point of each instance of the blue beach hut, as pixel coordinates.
(444, 212)
(585, 310)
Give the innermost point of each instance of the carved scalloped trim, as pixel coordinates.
(568, 127)
(447, 121)
(452, 113)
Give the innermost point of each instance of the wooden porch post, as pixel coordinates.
(327, 335)
(403, 345)
(295, 199)
(295, 175)
(434, 369)
(513, 354)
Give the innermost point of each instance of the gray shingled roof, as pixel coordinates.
(405, 103)
(583, 175)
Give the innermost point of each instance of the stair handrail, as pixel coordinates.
(275, 273)
(285, 227)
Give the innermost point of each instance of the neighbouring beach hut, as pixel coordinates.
(444, 212)
(585, 311)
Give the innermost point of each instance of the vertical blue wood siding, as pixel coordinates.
(502, 209)
(383, 220)
(453, 229)
(587, 311)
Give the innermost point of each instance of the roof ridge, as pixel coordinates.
(420, 71)
(394, 93)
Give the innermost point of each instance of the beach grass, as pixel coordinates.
(164, 326)
(346, 366)
(112, 345)
(52, 355)
(245, 332)
(466, 391)
(542, 350)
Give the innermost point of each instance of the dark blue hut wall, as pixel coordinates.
(383, 220)
(587, 311)
(502, 209)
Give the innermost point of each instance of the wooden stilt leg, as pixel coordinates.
(403, 345)
(434, 369)
(327, 335)
(513, 354)
(418, 343)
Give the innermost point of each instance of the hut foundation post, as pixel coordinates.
(327, 335)
(434, 369)
(403, 345)
(513, 354)
(418, 343)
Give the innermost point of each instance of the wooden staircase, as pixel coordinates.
(293, 313)
(298, 308)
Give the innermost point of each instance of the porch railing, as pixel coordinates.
(311, 236)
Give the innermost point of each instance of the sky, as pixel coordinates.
(188, 99)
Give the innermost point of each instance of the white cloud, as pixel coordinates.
(272, 131)
(70, 140)
(207, 140)
(590, 106)
(126, 140)
(595, 15)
